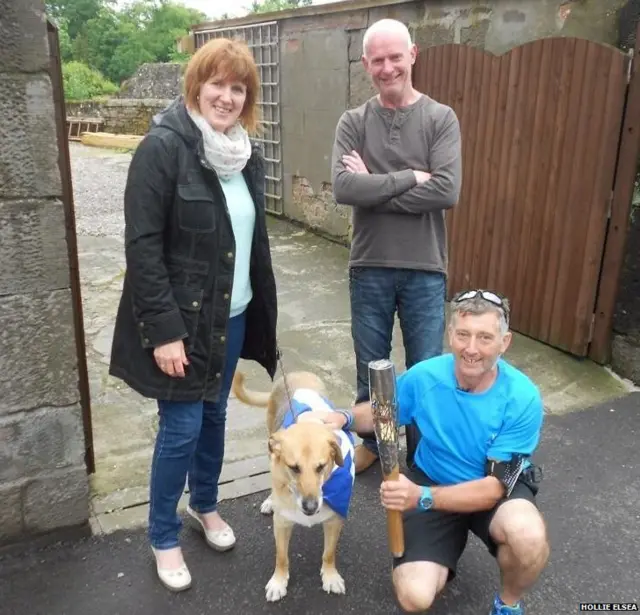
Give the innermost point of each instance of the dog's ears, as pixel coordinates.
(274, 445)
(336, 451)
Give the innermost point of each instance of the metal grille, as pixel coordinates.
(263, 40)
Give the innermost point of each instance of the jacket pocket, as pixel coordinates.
(189, 302)
(196, 208)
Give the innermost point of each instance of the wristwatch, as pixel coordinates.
(426, 499)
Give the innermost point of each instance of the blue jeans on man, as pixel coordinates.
(190, 442)
(376, 294)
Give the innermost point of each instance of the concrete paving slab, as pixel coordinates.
(134, 496)
(314, 334)
(589, 497)
(137, 513)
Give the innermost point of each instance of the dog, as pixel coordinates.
(312, 472)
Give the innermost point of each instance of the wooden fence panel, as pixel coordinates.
(541, 128)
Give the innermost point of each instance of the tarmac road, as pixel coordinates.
(590, 498)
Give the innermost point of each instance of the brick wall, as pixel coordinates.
(43, 481)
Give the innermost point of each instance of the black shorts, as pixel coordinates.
(441, 537)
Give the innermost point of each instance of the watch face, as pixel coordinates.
(426, 501)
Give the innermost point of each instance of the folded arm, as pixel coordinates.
(362, 189)
(442, 190)
(147, 206)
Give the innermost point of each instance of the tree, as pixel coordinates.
(267, 6)
(166, 23)
(75, 13)
(115, 41)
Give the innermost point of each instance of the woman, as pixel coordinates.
(199, 291)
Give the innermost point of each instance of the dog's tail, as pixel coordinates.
(252, 398)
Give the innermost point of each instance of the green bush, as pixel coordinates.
(84, 83)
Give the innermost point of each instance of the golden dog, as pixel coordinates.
(303, 457)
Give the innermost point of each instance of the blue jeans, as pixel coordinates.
(376, 293)
(190, 441)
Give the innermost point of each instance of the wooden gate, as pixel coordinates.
(541, 128)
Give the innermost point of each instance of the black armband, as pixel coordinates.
(507, 472)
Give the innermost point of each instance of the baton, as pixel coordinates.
(382, 394)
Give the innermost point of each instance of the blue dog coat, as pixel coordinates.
(337, 490)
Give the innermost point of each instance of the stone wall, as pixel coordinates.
(121, 115)
(84, 109)
(43, 480)
(625, 350)
(130, 116)
(151, 89)
(154, 80)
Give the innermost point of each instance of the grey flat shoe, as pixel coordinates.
(220, 540)
(174, 579)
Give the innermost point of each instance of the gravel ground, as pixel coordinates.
(99, 177)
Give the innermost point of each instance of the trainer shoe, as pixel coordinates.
(500, 608)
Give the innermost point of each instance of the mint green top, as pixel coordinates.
(243, 216)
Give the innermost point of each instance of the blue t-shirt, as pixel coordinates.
(459, 430)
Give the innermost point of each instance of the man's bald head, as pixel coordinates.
(386, 27)
(388, 56)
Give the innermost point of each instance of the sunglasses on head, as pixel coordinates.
(487, 295)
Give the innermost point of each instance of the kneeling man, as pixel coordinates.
(480, 420)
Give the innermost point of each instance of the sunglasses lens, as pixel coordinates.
(489, 296)
(468, 295)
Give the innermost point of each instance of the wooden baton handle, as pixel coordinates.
(395, 529)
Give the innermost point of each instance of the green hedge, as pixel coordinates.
(84, 83)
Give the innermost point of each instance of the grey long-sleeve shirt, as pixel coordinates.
(396, 222)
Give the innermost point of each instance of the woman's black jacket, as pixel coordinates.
(180, 250)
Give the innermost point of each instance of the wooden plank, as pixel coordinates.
(616, 242)
(109, 140)
(560, 81)
(525, 296)
(587, 261)
(528, 164)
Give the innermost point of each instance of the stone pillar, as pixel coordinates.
(625, 349)
(43, 480)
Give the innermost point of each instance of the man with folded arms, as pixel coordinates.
(397, 162)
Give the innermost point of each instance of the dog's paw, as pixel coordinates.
(267, 506)
(276, 588)
(332, 582)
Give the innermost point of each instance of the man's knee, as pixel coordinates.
(417, 584)
(413, 596)
(524, 531)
